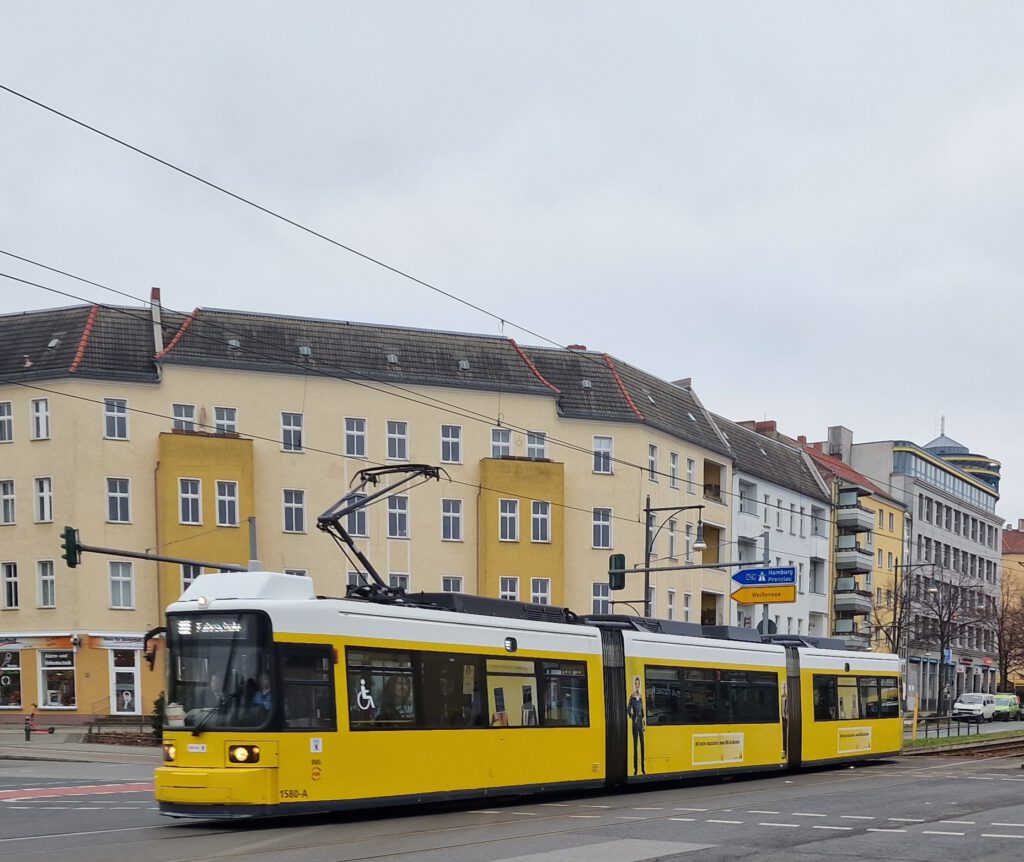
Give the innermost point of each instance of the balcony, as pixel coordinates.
(713, 493)
(847, 599)
(851, 557)
(850, 632)
(855, 519)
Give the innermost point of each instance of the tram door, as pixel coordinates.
(614, 706)
(793, 715)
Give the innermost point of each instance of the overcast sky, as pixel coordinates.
(812, 209)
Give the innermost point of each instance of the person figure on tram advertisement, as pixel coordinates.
(635, 712)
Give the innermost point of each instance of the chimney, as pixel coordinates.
(1020, 524)
(802, 439)
(158, 330)
(748, 424)
(576, 346)
(768, 428)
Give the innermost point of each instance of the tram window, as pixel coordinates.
(565, 698)
(707, 696)
(753, 696)
(308, 692)
(826, 701)
(849, 699)
(381, 689)
(511, 693)
(453, 690)
(890, 698)
(860, 697)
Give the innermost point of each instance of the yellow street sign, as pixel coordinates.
(765, 595)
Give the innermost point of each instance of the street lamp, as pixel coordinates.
(699, 545)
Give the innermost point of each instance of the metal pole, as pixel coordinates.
(766, 562)
(647, 557)
(254, 561)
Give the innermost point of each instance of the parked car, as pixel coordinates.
(1007, 707)
(974, 707)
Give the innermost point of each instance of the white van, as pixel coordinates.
(974, 707)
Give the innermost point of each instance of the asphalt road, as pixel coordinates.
(920, 808)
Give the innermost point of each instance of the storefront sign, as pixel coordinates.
(121, 643)
(58, 659)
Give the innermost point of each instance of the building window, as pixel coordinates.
(651, 601)
(602, 528)
(817, 521)
(803, 533)
(778, 514)
(355, 521)
(11, 590)
(184, 417)
(451, 521)
(673, 538)
(890, 561)
(44, 499)
(57, 680)
(121, 585)
(355, 437)
(7, 501)
(118, 501)
(451, 444)
(398, 440)
(879, 558)
(673, 469)
(892, 522)
(792, 519)
(688, 543)
(687, 598)
(508, 520)
(398, 517)
(46, 596)
(40, 419)
(541, 521)
(603, 455)
(881, 519)
(291, 432)
(398, 581)
(227, 504)
(225, 420)
(536, 444)
(6, 422)
(670, 609)
(115, 418)
(799, 578)
(10, 678)
(451, 584)
(501, 443)
(189, 572)
(748, 498)
(601, 603)
(691, 478)
(356, 579)
(540, 591)
(190, 498)
(294, 510)
(652, 462)
(508, 589)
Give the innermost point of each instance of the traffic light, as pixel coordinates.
(72, 549)
(617, 571)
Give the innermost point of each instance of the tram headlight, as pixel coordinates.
(169, 752)
(244, 753)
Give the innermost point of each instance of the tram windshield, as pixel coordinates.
(220, 671)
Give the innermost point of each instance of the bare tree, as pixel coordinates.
(1008, 626)
(894, 617)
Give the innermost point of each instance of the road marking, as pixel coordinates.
(979, 778)
(877, 829)
(907, 819)
(835, 828)
(647, 808)
(730, 822)
(805, 814)
(757, 811)
(485, 812)
(855, 817)
(786, 825)
(625, 817)
(683, 819)
(586, 816)
(932, 832)
(1011, 779)
(959, 822)
(998, 835)
(79, 790)
(1021, 825)
(689, 809)
(586, 805)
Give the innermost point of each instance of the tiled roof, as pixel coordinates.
(105, 342)
(828, 464)
(771, 460)
(623, 393)
(1013, 541)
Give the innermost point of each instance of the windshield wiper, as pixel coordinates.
(220, 707)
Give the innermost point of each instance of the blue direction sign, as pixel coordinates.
(764, 577)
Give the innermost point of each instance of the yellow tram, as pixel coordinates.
(281, 702)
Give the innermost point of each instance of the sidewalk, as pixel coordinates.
(66, 744)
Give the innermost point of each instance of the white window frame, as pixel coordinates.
(451, 444)
(399, 580)
(40, 419)
(225, 420)
(43, 499)
(355, 437)
(601, 533)
(192, 497)
(356, 521)
(291, 432)
(294, 502)
(600, 596)
(673, 539)
(691, 476)
(540, 591)
(189, 572)
(6, 422)
(508, 588)
(603, 449)
(673, 469)
(41, 680)
(398, 516)
(11, 586)
(397, 440)
(183, 417)
(670, 608)
(508, 520)
(227, 503)
(136, 683)
(119, 500)
(652, 462)
(46, 583)
(688, 543)
(540, 522)
(115, 419)
(501, 442)
(451, 584)
(8, 502)
(451, 520)
(687, 607)
(121, 578)
(537, 444)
